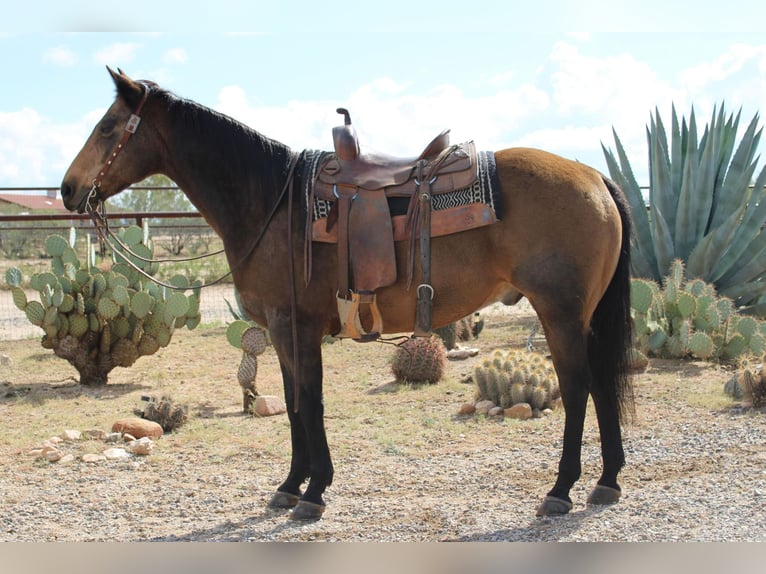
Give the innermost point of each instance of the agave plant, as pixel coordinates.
(702, 207)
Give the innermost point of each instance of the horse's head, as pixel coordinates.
(116, 154)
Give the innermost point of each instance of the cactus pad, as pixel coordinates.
(234, 332)
(13, 276)
(19, 297)
(254, 341)
(35, 312)
(55, 245)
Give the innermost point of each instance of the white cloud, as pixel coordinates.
(36, 152)
(117, 54)
(698, 77)
(391, 117)
(60, 56)
(175, 56)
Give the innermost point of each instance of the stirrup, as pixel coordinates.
(351, 325)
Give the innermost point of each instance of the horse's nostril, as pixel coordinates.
(66, 191)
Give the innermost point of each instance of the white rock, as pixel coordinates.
(116, 454)
(66, 459)
(142, 446)
(268, 405)
(71, 435)
(483, 407)
(90, 457)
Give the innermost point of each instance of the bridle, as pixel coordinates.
(130, 129)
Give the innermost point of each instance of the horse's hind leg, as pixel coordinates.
(607, 491)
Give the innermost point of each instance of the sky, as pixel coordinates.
(557, 75)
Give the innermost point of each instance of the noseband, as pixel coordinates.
(130, 129)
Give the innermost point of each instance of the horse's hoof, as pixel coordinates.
(282, 500)
(603, 495)
(306, 510)
(553, 506)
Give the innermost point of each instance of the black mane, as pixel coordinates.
(240, 154)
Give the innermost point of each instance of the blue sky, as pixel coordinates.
(500, 75)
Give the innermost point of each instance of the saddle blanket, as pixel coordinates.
(468, 208)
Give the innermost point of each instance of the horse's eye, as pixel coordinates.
(107, 126)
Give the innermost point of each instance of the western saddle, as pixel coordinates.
(359, 187)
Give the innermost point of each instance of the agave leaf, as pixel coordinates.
(708, 251)
(643, 261)
(661, 192)
(738, 174)
(664, 248)
(747, 231)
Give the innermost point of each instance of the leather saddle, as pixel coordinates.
(360, 186)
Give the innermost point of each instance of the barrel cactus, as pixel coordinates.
(420, 360)
(106, 316)
(516, 376)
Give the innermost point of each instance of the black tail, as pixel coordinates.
(611, 327)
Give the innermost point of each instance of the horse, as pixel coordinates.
(562, 241)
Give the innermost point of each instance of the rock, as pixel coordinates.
(142, 446)
(66, 459)
(53, 454)
(127, 437)
(268, 405)
(547, 412)
(94, 434)
(483, 407)
(91, 457)
(496, 412)
(71, 435)
(521, 411)
(116, 454)
(5, 360)
(37, 451)
(138, 427)
(467, 409)
(113, 437)
(460, 354)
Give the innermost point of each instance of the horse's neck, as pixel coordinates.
(234, 193)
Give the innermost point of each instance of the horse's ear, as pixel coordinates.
(127, 89)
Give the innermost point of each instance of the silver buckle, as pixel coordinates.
(132, 124)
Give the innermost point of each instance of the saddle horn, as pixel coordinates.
(344, 138)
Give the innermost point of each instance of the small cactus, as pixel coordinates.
(420, 360)
(164, 411)
(517, 377)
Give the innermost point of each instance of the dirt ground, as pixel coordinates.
(407, 467)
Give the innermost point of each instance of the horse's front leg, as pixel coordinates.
(310, 452)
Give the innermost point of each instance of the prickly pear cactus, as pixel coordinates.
(687, 319)
(106, 316)
(420, 360)
(515, 376)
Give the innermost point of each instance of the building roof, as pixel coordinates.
(34, 202)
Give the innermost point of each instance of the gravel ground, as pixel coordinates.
(693, 474)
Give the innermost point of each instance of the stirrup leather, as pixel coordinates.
(351, 325)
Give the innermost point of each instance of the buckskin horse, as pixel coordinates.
(561, 240)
